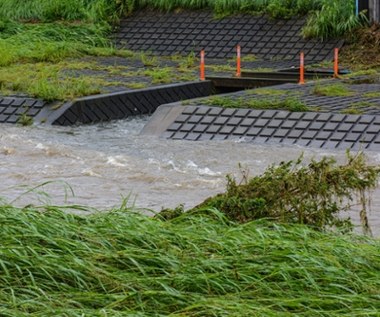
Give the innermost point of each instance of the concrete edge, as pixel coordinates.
(162, 118)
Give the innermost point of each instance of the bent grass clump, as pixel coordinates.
(290, 103)
(359, 107)
(334, 90)
(268, 92)
(352, 110)
(374, 94)
(53, 263)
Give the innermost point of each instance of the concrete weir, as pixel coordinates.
(100, 108)
(318, 130)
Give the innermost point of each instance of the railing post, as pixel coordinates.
(202, 66)
(336, 62)
(302, 69)
(374, 11)
(238, 61)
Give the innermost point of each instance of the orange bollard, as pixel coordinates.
(336, 62)
(238, 61)
(302, 69)
(202, 66)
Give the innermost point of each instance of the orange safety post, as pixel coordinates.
(238, 61)
(202, 66)
(336, 62)
(302, 69)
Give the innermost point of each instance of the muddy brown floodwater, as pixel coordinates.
(107, 162)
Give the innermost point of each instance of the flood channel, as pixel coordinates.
(107, 162)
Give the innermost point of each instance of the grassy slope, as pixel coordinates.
(103, 9)
(38, 37)
(328, 18)
(123, 264)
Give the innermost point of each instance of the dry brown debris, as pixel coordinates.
(363, 49)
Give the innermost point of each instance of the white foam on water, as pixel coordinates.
(41, 146)
(116, 161)
(203, 171)
(90, 172)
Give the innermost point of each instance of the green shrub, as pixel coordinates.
(293, 193)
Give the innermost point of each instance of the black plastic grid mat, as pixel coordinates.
(185, 32)
(319, 130)
(12, 109)
(362, 98)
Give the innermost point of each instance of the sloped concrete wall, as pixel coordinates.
(125, 104)
(99, 108)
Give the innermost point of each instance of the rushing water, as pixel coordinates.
(107, 162)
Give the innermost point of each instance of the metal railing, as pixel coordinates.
(374, 10)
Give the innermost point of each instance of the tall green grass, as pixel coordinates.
(48, 42)
(71, 28)
(95, 11)
(52, 30)
(333, 20)
(273, 7)
(123, 264)
(328, 18)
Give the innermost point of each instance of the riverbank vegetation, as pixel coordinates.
(241, 253)
(315, 194)
(206, 262)
(44, 30)
(39, 34)
(326, 18)
(219, 259)
(71, 28)
(110, 10)
(123, 264)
